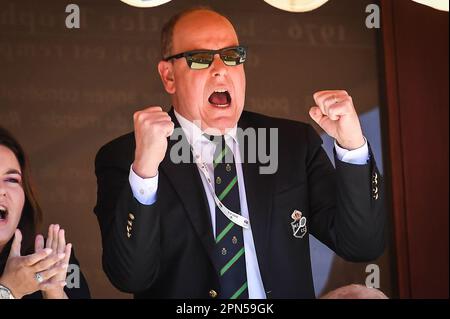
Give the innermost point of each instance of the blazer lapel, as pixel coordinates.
(185, 179)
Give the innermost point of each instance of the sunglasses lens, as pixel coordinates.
(234, 56)
(201, 60)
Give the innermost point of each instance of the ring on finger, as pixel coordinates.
(39, 278)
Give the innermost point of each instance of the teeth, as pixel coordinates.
(220, 91)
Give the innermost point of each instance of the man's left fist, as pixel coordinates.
(336, 115)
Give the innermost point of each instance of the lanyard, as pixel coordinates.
(235, 218)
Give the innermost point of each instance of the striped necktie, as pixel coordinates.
(230, 253)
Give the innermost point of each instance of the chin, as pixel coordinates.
(222, 123)
(223, 119)
(8, 226)
(5, 236)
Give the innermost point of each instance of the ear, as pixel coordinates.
(165, 70)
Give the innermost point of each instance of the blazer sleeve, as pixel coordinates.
(130, 231)
(346, 204)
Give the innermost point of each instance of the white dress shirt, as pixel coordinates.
(144, 190)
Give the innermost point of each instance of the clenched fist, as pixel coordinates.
(152, 126)
(337, 116)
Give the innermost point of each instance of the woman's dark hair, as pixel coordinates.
(31, 213)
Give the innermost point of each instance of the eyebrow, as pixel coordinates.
(13, 171)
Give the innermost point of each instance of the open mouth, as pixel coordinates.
(220, 98)
(3, 213)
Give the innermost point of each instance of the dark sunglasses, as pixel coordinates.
(202, 59)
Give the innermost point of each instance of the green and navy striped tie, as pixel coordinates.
(230, 253)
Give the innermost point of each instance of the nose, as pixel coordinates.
(218, 68)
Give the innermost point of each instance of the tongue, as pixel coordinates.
(218, 98)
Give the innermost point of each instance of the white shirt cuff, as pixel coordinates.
(144, 189)
(359, 156)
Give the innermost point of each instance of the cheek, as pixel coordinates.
(240, 88)
(18, 201)
(197, 86)
(191, 87)
(195, 92)
(243, 86)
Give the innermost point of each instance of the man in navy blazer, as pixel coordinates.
(159, 215)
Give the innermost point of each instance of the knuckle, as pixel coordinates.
(145, 122)
(154, 126)
(168, 125)
(137, 116)
(346, 100)
(320, 92)
(322, 109)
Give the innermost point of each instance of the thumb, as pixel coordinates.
(16, 245)
(316, 114)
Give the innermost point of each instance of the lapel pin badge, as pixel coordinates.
(299, 224)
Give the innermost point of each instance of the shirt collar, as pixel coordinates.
(194, 134)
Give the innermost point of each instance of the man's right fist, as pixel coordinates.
(152, 126)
